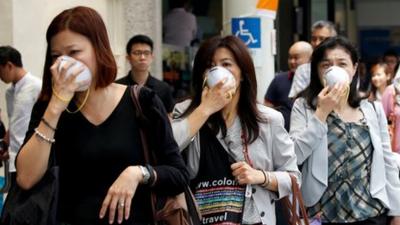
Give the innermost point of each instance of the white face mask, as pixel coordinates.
(335, 74)
(218, 73)
(85, 75)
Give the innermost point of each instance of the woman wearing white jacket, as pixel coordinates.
(349, 172)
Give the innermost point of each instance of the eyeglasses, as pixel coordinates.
(139, 53)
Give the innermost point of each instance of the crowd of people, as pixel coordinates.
(236, 155)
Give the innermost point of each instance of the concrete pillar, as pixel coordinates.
(144, 17)
(263, 57)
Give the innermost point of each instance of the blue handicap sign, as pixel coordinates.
(249, 30)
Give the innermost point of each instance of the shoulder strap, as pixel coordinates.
(194, 213)
(294, 204)
(135, 91)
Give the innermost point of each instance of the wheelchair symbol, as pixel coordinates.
(245, 32)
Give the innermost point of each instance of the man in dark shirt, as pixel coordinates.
(277, 95)
(139, 52)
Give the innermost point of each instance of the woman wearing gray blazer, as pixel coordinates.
(342, 143)
(238, 152)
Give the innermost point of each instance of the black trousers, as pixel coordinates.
(13, 176)
(378, 220)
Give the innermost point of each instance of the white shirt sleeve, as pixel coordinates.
(301, 80)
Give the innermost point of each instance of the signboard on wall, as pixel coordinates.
(249, 30)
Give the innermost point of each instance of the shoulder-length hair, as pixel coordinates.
(247, 106)
(315, 87)
(87, 22)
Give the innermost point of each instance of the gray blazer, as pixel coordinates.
(272, 151)
(310, 137)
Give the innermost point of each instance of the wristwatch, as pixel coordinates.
(146, 174)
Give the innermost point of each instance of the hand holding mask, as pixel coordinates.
(336, 74)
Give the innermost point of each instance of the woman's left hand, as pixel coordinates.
(119, 196)
(395, 220)
(245, 174)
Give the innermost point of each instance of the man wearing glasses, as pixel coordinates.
(139, 52)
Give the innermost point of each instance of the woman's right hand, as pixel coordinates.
(63, 86)
(215, 98)
(119, 196)
(328, 99)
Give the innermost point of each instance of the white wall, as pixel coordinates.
(5, 38)
(30, 27)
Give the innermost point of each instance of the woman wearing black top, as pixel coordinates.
(92, 130)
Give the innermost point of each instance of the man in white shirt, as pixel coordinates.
(20, 98)
(179, 25)
(320, 31)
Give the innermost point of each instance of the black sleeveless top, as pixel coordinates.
(218, 194)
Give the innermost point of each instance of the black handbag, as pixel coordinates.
(36, 206)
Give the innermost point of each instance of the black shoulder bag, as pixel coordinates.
(36, 206)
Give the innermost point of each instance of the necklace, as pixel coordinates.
(80, 106)
(245, 148)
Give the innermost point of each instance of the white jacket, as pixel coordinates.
(310, 137)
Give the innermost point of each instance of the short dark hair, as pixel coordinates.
(87, 22)
(139, 39)
(318, 55)
(249, 114)
(390, 52)
(10, 54)
(177, 4)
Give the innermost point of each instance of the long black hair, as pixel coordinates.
(247, 105)
(315, 87)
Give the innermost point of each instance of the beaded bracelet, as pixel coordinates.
(44, 137)
(48, 124)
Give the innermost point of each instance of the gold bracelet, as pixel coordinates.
(59, 96)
